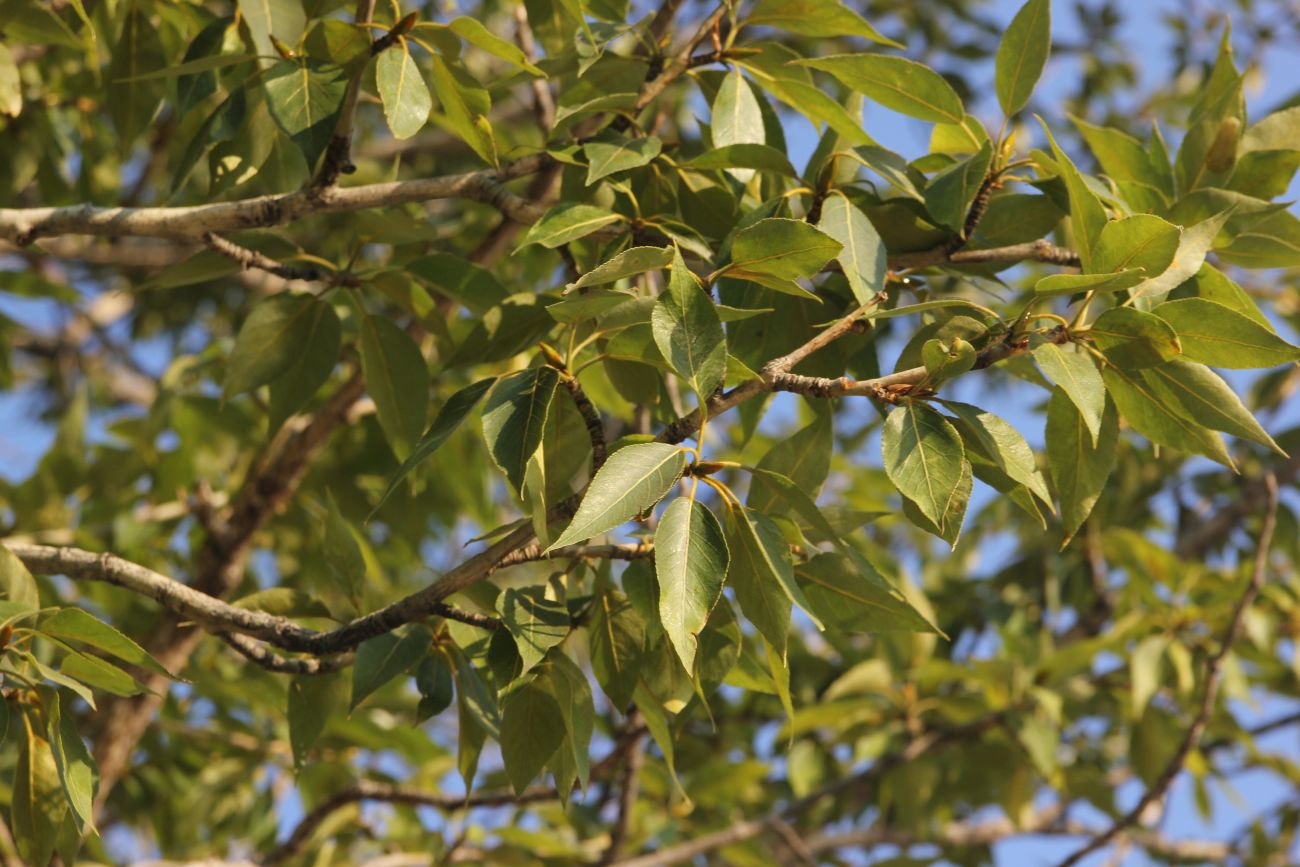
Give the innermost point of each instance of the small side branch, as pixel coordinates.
(1213, 673)
(633, 758)
(251, 259)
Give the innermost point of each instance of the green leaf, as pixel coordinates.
(1197, 241)
(271, 342)
(863, 254)
(945, 359)
(473, 32)
(1214, 334)
(691, 560)
(804, 457)
(851, 596)
(762, 157)
(406, 98)
(1069, 284)
(923, 457)
(948, 527)
(11, 85)
(616, 637)
(737, 118)
(465, 105)
(17, 582)
(74, 624)
(447, 422)
(1079, 378)
(1087, 216)
(897, 83)
(462, 281)
(759, 571)
(384, 657)
(397, 379)
(1142, 407)
(1003, 444)
(1121, 156)
(1203, 396)
(605, 158)
(37, 804)
(305, 97)
(291, 390)
(434, 681)
(949, 194)
(781, 248)
(514, 418)
(814, 18)
(536, 623)
(631, 481)
(568, 222)
(94, 671)
(629, 263)
(532, 729)
(1132, 339)
(78, 773)
(132, 102)
(688, 332)
(1141, 241)
(1022, 54)
(572, 691)
(283, 19)
(1080, 458)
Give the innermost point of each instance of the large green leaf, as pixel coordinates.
(1068, 284)
(633, 261)
(1077, 375)
(1142, 406)
(78, 772)
(815, 18)
(691, 561)
(1080, 458)
(1132, 339)
(1087, 216)
(1204, 397)
(532, 729)
(37, 804)
(804, 457)
(305, 97)
(384, 657)
(465, 105)
(737, 118)
(1219, 336)
(923, 457)
(132, 100)
(291, 390)
(73, 624)
(759, 572)
(851, 596)
(608, 157)
(313, 700)
(896, 82)
(1022, 54)
(743, 156)
(568, 222)
(632, 480)
(781, 248)
(616, 638)
(273, 340)
(406, 98)
(688, 332)
(514, 419)
(1003, 444)
(397, 379)
(863, 254)
(536, 623)
(1141, 241)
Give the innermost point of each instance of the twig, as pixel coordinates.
(1213, 668)
(590, 418)
(633, 759)
(543, 101)
(1034, 251)
(256, 653)
(338, 153)
(252, 259)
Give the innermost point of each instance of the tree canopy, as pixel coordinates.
(576, 433)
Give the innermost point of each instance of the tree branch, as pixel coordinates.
(1156, 792)
(633, 759)
(249, 259)
(189, 223)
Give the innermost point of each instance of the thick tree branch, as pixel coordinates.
(22, 226)
(1213, 671)
(1035, 251)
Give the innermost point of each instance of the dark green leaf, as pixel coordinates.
(781, 248)
(305, 97)
(1221, 337)
(272, 341)
(532, 729)
(568, 222)
(1078, 377)
(1132, 339)
(1022, 54)
(923, 457)
(1081, 459)
(78, 772)
(132, 102)
(1068, 284)
(1143, 408)
(514, 418)
(851, 596)
(291, 390)
(73, 624)
(384, 657)
(633, 479)
(605, 158)
(688, 332)
(536, 623)
(762, 157)
(949, 194)
(1203, 396)
(616, 637)
(691, 560)
(397, 379)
